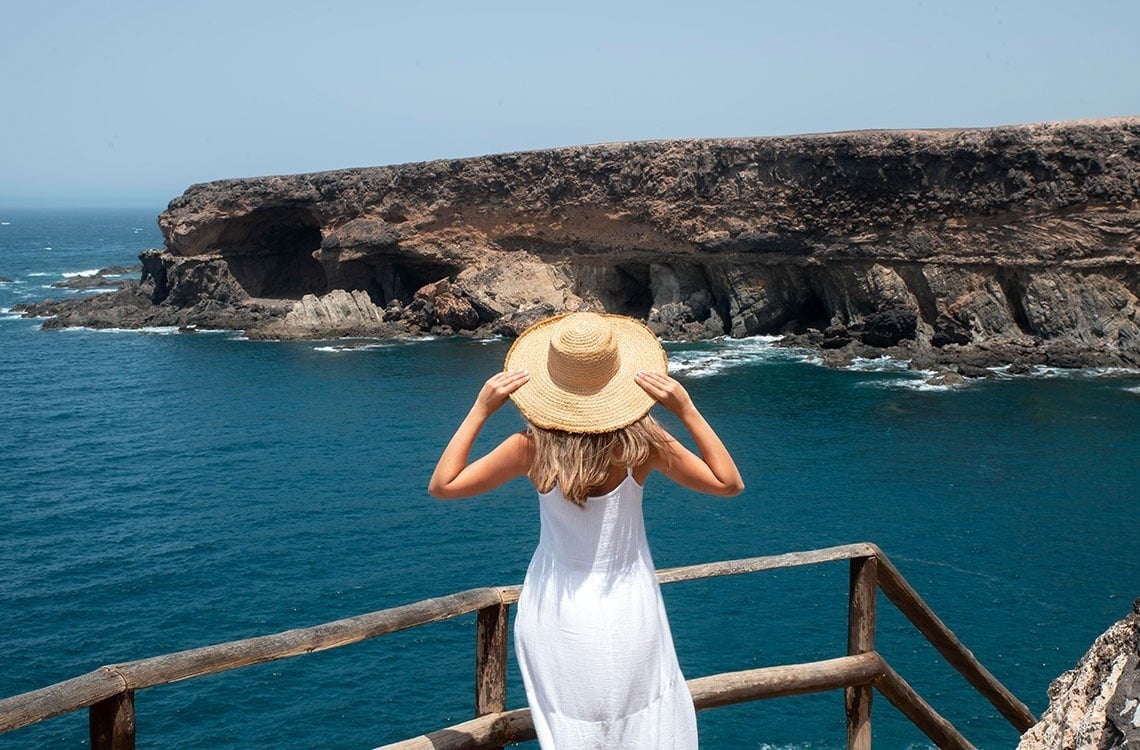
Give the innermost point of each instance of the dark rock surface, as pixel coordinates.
(1014, 245)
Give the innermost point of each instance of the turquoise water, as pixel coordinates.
(163, 492)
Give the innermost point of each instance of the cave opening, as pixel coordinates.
(270, 252)
(808, 312)
(625, 288)
(402, 280)
(636, 298)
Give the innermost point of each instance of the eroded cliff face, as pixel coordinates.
(1096, 705)
(1023, 242)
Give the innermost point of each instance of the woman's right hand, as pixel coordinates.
(498, 389)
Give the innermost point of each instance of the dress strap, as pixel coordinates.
(629, 471)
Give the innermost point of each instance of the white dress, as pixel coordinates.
(591, 635)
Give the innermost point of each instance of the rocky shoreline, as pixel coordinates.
(955, 249)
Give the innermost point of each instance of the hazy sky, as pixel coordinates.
(128, 103)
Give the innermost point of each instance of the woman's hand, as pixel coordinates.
(454, 477)
(498, 389)
(714, 471)
(665, 390)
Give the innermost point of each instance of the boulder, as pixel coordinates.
(889, 327)
(448, 307)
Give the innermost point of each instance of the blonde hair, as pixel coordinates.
(579, 463)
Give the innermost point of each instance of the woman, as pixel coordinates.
(591, 635)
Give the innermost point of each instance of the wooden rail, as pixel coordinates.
(108, 692)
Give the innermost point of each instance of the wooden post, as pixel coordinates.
(491, 659)
(112, 722)
(860, 640)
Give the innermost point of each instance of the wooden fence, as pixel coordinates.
(108, 692)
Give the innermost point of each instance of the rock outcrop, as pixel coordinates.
(1096, 705)
(1013, 244)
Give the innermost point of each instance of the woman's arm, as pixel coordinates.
(713, 472)
(453, 477)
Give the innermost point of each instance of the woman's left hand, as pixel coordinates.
(665, 390)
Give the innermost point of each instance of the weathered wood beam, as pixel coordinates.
(481, 733)
(903, 595)
(61, 698)
(510, 594)
(940, 731)
(161, 670)
(508, 727)
(770, 562)
(789, 679)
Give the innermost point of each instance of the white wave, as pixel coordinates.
(215, 331)
(88, 290)
(4, 223)
(48, 247)
(920, 381)
(1045, 371)
(42, 273)
(718, 356)
(879, 364)
(152, 330)
(73, 274)
(337, 348)
(1134, 389)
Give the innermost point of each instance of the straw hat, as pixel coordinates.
(581, 369)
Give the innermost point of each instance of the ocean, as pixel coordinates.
(163, 491)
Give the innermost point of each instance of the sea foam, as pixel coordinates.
(725, 354)
(338, 348)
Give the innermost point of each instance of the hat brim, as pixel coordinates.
(618, 403)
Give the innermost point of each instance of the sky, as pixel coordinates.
(121, 103)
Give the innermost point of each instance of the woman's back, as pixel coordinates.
(592, 636)
(604, 533)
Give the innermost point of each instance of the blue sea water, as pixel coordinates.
(164, 491)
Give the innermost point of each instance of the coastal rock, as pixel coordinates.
(5, 280)
(102, 279)
(946, 379)
(888, 327)
(452, 309)
(1096, 705)
(515, 323)
(994, 246)
(333, 315)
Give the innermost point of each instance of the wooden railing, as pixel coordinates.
(109, 691)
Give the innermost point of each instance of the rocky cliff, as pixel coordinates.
(1013, 244)
(1096, 705)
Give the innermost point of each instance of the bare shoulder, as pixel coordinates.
(523, 444)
